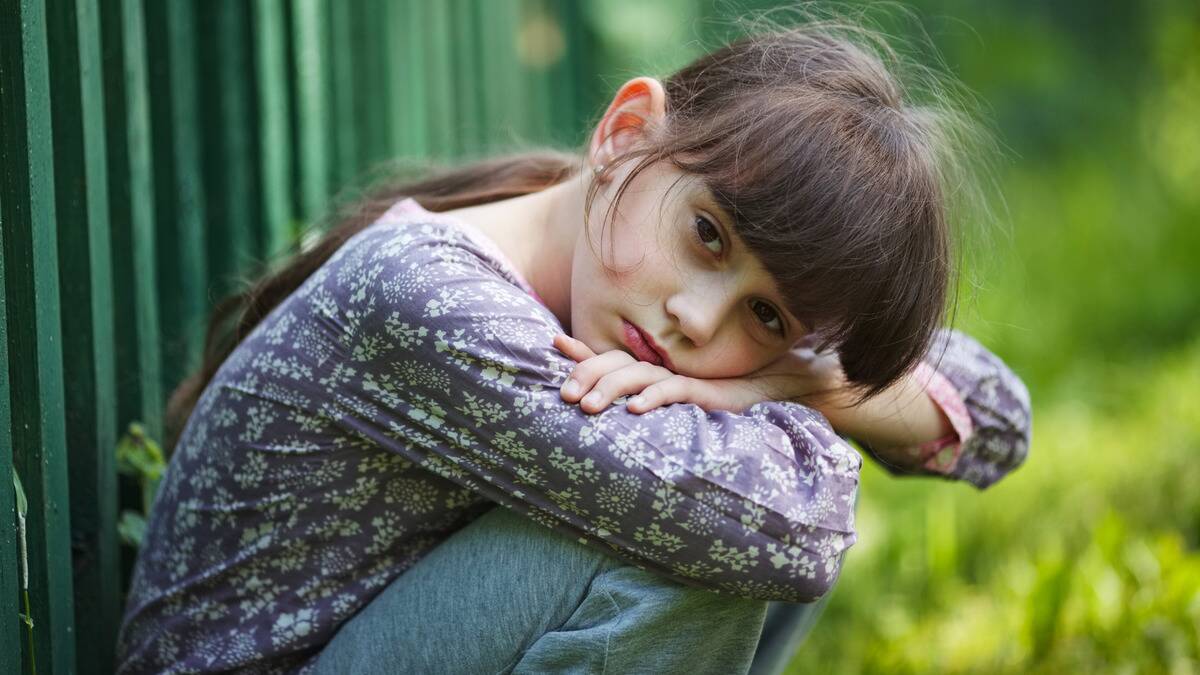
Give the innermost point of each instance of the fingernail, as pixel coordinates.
(571, 388)
(637, 400)
(591, 399)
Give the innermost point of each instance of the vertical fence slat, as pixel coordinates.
(573, 76)
(370, 52)
(391, 21)
(468, 73)
(275, 153)
(439, 84)
(499, 74)
(34, 335)
(535, 84)
(388, 50)
(410, 112)
(230, 166)
(131, 230)
(131, 216)
(312, 117)
(556, 75)
(179, 214)
(191, 213)
(86, 295)
(141, 196)
(344, 89)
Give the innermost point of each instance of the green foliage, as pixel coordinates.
(140, 457)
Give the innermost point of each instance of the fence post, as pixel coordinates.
(411, 116)
(179, 197)
(131, 203)
(275, 137)
(226, 71)
(344, 92)
(34, 339)
(310, 41)
(436, 43)
(85, 287)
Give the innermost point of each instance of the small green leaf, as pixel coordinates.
(139, 455)
(22, 503)
(132, 528)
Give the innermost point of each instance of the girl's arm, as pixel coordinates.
(899, 419)
(454, 368)
(984, 417)
(961, 414)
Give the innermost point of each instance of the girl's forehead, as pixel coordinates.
(685, 189)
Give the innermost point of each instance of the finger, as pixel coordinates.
(631, 379)
(675, 389)
(588, 372)
(573, 348)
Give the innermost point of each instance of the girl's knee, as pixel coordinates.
(632, 620)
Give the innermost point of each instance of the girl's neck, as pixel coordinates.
(538, 233)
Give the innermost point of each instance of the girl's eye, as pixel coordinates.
(768, 316)
(708, 235)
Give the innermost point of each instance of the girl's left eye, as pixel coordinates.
(708, 235)
(768, 316)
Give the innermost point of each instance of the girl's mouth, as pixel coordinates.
(639, 345)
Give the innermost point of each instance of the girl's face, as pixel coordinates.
(680, 275)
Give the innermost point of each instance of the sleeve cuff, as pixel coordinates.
(941, 455)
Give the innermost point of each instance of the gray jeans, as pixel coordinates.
(506, 595)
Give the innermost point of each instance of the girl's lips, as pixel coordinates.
(642, 346)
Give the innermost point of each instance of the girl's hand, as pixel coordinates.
(600, 379)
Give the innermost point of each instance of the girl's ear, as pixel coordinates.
(638, 102)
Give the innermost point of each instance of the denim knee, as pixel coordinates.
(633, 621)
(471, 605)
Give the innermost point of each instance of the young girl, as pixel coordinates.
(770, 270)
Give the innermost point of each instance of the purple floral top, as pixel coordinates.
(409, 385)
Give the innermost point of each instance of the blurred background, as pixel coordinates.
(156, 153)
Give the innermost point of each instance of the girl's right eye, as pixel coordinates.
(708, 235)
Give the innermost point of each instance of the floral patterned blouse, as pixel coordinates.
(409, 385)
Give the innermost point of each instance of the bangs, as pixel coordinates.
(844, 212)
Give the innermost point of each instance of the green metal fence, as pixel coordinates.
(152, 150)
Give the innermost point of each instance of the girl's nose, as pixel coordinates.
(698, 314)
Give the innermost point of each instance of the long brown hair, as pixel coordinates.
(837, 182)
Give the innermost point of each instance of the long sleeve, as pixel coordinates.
(988, 406)
(453, 368)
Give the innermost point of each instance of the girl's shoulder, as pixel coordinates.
(410, 236)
